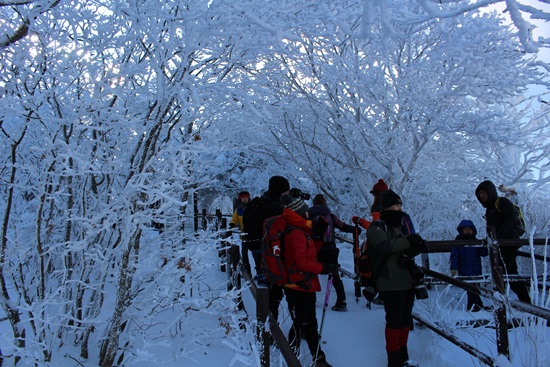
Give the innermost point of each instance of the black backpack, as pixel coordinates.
(252, 225)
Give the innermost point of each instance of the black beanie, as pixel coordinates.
(389, 198)
(278, 185)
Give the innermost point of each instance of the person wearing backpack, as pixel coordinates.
(391, 252)
(258, 210)
(237, 221)
(466, 261)
(502, 214)
(329, 252)
(300, 258)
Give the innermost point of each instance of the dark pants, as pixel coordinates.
(257, 256)
(398, 306)
(275, 297)
(244, 256)
(509, 265)
(329, 254)
(339, 288)
(474, 301)
(301, 306)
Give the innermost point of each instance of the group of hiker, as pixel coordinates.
(310, 249)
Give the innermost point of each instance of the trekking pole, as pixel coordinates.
(357, 280)
(325, 305)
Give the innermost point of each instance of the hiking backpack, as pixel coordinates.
(272, 253)
(364, 269)
(323, 228)
(519, 219)
(251, 223)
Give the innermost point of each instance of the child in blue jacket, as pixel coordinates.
(466, 260)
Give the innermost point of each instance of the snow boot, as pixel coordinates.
(395, 359)
(340, 307)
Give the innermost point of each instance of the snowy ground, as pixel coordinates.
(356, 337)
(195, 324)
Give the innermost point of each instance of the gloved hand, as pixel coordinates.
(453, 273)
(417, 242)
(232, 225)
(362, 222)
(329, 268)
(351, 229)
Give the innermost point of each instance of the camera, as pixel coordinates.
(420, 290)
(369, 293)
(298, 194)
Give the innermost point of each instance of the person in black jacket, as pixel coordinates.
(329, 252)
(268, 205)
(502, 215)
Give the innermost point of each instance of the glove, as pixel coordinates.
(232, 225)
(329, 268)
(351, 229)
(453, 273)
(362, 222)
(417, 242)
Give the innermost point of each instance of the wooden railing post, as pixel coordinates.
(262, 312)
(235, 280)
(501, 324)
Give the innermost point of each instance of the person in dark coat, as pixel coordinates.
(329, 252)
(466, 260)
(391, 252)
(268, 206)
(501, 214)
(237, 221)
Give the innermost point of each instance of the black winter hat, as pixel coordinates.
(319, 199)
(278, 185)
(389, 198)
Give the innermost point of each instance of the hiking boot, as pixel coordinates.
(321, 361)
(340, 307)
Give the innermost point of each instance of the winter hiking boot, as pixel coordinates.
(321, 361)
(340, 307)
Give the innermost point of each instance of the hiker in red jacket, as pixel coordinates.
(300, 258)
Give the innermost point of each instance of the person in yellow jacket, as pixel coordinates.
(237, 221)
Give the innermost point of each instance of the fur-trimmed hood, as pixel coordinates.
(491, 190)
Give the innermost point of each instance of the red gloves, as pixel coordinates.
(355, 219)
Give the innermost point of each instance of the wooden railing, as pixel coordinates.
(267, 324)
(496, 292)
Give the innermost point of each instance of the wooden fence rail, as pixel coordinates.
(268, 325)
(496, 292)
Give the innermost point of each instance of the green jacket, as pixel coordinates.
(386, 245)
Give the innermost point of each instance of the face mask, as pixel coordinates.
(393, 218)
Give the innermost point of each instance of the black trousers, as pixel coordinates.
(509, 265)
(301, 306)
(398, 306)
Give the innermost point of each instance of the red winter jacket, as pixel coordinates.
(300, 255)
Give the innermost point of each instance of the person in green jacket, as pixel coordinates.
(395, 273)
